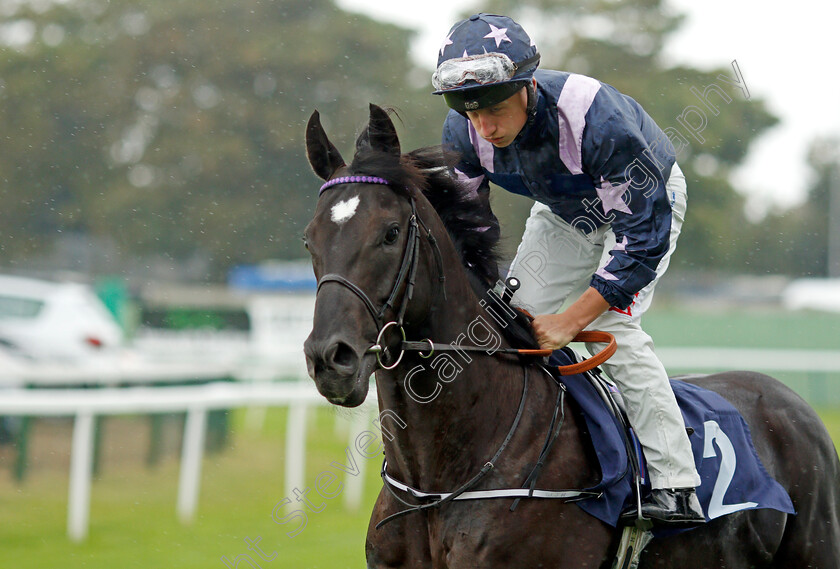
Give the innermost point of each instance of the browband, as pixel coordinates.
(354, 180)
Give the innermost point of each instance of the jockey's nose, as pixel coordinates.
(331, 355)
(486, 127)
(482, 122)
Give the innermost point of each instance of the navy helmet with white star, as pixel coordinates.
(484, 60)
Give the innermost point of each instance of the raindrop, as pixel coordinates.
(141, 176)
(706, 164)
(206, 96)
(135, 23)
(8, 8)
(148, 99)
(264, 84)
(17, 34)
(164, 77)
(52, 34)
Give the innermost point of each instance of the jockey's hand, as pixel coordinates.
(553, 331)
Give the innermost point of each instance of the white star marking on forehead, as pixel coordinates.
(344, 210)
(498, 34)
(446, 42)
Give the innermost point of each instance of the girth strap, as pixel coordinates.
(489, 494)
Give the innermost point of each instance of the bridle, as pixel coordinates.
(405, 276)
(406, 279)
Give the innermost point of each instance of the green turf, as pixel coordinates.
(831, 418)
(133, 520)
(134, 524)
(754, 328)
(745, 328)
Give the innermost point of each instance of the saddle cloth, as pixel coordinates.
(733, 477)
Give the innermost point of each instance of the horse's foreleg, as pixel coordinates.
(400, 544)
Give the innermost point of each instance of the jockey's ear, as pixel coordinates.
(323, 156)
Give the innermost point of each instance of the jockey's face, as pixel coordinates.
(499, 124)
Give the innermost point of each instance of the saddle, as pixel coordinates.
(731, 472)
(719, 437)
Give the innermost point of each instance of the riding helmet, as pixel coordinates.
(484, 60)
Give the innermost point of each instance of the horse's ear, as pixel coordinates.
(380, 133)
(323, 156)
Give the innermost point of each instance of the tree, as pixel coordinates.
(176, 129)
(711, 119)
(795, 242)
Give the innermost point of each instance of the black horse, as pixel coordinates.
(388, 261)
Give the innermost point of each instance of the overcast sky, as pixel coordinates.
(787, 56)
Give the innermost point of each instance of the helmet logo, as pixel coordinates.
(471, 105)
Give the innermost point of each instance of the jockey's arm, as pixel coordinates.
(554, 331)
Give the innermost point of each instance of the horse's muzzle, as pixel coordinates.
(340, 371)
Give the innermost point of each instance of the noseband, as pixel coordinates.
(405, 276)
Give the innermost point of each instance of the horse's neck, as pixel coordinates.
(455, 405)
(447, 415)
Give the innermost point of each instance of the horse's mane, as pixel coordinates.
(469, 222)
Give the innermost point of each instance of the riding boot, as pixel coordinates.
(677, 506)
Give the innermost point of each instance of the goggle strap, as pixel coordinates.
(526, 64)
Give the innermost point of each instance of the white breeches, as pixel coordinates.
(555, 263)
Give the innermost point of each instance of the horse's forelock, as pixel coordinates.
(370, 162)
(465, 219)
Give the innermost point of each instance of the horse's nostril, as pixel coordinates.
(342, 356)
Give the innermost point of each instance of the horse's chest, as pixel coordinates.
(536, 534)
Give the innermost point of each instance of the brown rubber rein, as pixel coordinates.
(587, 364)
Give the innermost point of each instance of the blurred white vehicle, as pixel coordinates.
(54, 321)
(813, 294)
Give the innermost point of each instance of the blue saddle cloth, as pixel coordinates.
(732, 475)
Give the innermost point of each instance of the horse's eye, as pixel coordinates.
(305, 243)
(391, 235)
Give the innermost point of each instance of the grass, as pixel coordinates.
(133, 519)
(755, 327)
(744, 328)
(831, 418)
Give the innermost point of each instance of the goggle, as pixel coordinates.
(484, 69)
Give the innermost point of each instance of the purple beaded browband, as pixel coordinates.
(353, 180)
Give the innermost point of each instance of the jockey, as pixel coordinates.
(610, 202)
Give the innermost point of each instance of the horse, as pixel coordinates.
(400, 250)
